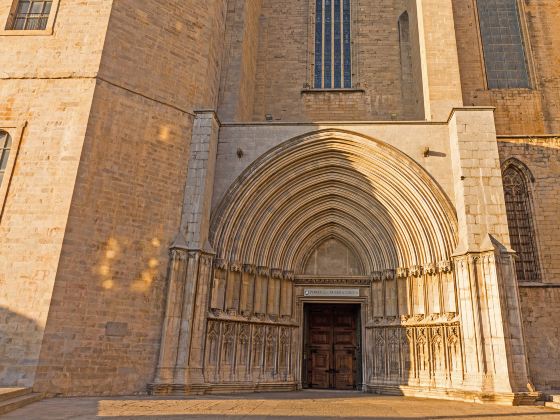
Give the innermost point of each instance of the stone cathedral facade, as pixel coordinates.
(253, 195)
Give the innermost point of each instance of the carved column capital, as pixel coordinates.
(249, 268)
(263, 271)
(235, 266)
(445, 266)
(376, 275)
(220, 264)
(431, 268)
(289, 275)
(415, 270)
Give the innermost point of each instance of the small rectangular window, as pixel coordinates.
(502, 42)
(31, 15)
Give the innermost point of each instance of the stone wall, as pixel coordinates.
(47, 81)
(541, 155)
(519, 111)
(254, 140)
(108, 301)
(541, 322)
(270, 58)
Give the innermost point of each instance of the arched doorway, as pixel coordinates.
(332, 218)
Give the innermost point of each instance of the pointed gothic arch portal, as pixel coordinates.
(332, 217)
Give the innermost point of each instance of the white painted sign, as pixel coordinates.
(332, 292)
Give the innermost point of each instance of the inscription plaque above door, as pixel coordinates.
(332, 292)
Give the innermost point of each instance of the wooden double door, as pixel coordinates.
(332, 343)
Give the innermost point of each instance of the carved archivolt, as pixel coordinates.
(334, 184)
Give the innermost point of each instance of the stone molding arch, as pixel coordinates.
(520, 167)
(342, 183)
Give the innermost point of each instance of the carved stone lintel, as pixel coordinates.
(249, 268)
(263, 271)
(402, 272)
(276, 273)
(220, 264)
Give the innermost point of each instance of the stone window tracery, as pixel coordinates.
(520, 221)
(31, 15)
(502, 43)
(5, 147)
(333, 53)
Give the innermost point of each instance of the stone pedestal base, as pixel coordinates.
(228, 388)
(516, 398)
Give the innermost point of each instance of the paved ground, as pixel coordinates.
(309, 405)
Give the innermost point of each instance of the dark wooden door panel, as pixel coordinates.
(344, 369)
(332, 344)
(320, 371)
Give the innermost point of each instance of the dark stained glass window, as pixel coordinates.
(520, 222)
(502, 42)
(333, 61)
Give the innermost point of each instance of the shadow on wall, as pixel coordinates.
(19, 336)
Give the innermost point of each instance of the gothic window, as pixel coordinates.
(502, 43)
(520, 221)
(333, 61)
(5, 146)
(31, 15)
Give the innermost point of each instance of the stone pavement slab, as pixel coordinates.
(309, 405)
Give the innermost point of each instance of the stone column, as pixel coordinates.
(286, 295)
(247, 289)
(489, 307)
(189, 275)
(403, 286)
(377, 298)
(391, 308)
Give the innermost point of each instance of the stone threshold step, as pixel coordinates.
(7, 393)
(551, 404)
(18, 402)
